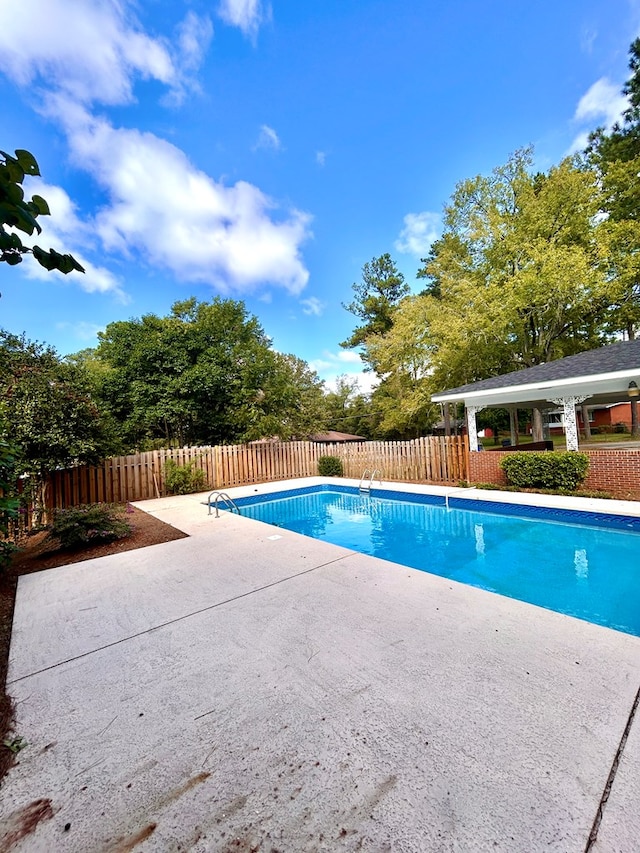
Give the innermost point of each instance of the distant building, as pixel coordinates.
(333, 437)
(601, 418)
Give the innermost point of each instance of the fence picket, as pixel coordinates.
(141, 476)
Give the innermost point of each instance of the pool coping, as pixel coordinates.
(594, 514)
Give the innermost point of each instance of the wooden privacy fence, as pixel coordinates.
(141, 476)
(429, 460)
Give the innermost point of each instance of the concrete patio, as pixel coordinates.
(249, 689)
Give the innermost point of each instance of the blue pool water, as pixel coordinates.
(580, 564)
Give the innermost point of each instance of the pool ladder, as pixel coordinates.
(224, 497)
(366, 487)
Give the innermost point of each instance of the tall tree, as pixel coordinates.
(48, 410)
(518, 276)
(616, 157)
(349, 410)
(377, 296)
(204, 374)
(404, 356)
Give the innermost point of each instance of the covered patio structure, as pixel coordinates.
(610, 374)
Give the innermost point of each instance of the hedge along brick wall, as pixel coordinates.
(613, 471)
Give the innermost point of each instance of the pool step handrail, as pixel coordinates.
(372, 476)
(222, 496)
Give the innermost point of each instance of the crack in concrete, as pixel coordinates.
(181, 618)
(593, 835)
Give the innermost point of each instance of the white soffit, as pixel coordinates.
(576, 386)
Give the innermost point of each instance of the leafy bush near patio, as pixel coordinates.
(183, 479)
(91, 524)
(330, 466)
(8, 501)
(555, 470)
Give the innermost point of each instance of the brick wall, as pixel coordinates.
(484, 467)
(613, 471)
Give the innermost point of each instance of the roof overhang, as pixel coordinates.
(597, 389)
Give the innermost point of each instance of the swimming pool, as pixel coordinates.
(580, 564)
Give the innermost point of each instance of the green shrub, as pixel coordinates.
(330, 466)
(546, 470)
(183, 479)
(8, 501)
(91, 524)
(7, 550)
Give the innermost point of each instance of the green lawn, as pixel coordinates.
(559, 442)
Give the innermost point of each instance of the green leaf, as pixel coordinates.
(27, 161)
(33, 208)
(8, 214)
(9, 241)
(14, 193)
(44, 258)
(41, 204)
(25, 220)
(12, 258)
(14, 169)
(53, 260)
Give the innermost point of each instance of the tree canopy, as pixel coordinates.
(376, 297)
(47, 409)
(522, 274)
(616, 158)
(349, 410)
(205, 374)
(518, 277)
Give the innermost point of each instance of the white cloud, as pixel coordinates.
(65, 232)
(248, 15)
(194, 35)
(332, 365)
(268, 138)
(321, 158)
(349, 356)
(159, 206)
(603, 100)
(178, 218)
(602, 103)
(312, 306)
(87, 48)
(588, 37)
(82, 330)
(366, 382)
(419, 232)
(96, 279)
(92, 49)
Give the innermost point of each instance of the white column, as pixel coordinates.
(570, 427)
(472, 428)
(513, 425)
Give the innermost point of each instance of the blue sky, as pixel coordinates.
(265, 151)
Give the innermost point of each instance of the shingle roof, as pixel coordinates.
(614, 358)
(333, 436)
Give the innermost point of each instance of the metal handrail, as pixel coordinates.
(372, 477)
(364, 474)
(224, 497)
